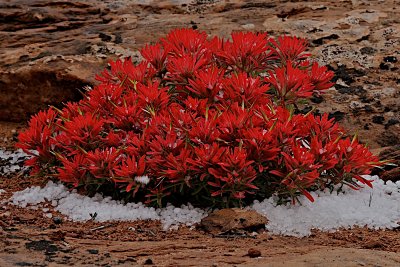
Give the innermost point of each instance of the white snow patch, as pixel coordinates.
(142, 179)
(376, 208)
(12, 161)
(79, 208)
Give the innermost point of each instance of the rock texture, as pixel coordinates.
(51, 49)
(225, 220)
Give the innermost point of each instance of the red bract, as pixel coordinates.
(128, 117)
(320, 77)
(82, 131)
(301, 167)
(74, 170)
(152, 97)
(207, 84)
(262, 147)
(125, 73)
(156, 55)
(205, 157)
(245, 90)
(290, 83)
(321, 127)
(185, 41)
(204, 131)
(288, 48)
(234, 175)
(129, 171)
(356, 159)
(36, 141)
(181, 69)
(177, 168)
(246, 52)
(212, 122)
(102, 163)
(38, 133)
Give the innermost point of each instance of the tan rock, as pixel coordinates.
(233, 219)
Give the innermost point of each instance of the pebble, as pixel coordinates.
(93, 251)
(148, 262)
(57, 220)
(248, 26)
(254, 253)
(378, 119)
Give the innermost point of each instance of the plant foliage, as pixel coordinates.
(207, 121)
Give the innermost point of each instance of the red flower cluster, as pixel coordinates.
(201, 121)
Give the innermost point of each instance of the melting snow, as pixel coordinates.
(12, 161)
(376, 208)
(79, 208)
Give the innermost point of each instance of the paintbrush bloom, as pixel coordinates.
(208, 121)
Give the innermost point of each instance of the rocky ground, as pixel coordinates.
(28, 238)
(51, 49)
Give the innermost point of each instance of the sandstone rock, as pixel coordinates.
(51, 49)
(391, 175)
(390, 153)
(253, 253)
(233, 219)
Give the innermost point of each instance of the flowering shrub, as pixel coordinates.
(206, 121)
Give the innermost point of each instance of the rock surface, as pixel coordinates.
(51, 49)
(391, 172)
(28, 238)
(224, 220)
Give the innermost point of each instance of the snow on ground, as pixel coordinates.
(12, 161)
(82, 208)
(376, 208)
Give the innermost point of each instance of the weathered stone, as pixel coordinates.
(233, 219)
(49, 50)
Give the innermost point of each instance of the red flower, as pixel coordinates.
(181, 42)
(130, 169)
(177, 168)
(83, 130)
(195, 105)
(320, 78)
(234, 175)
(181, 69)
(104, 97)
(234, 121)
(200, 117)
(325, 153)
(73, 170)
(102, 162)
(152, 97)
(128, 117)
(301, 167)
(156, 55)
(288, 48)
(206, 156)
(125, 73)
(38, 133)
(36, 140)
(245, 90)
(204, 131)
(161, 147)
(290, 83)
(207, 84)
(247, 52)
(262, 147)
(356, 160)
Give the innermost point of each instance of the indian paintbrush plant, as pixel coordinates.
(208, 121)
